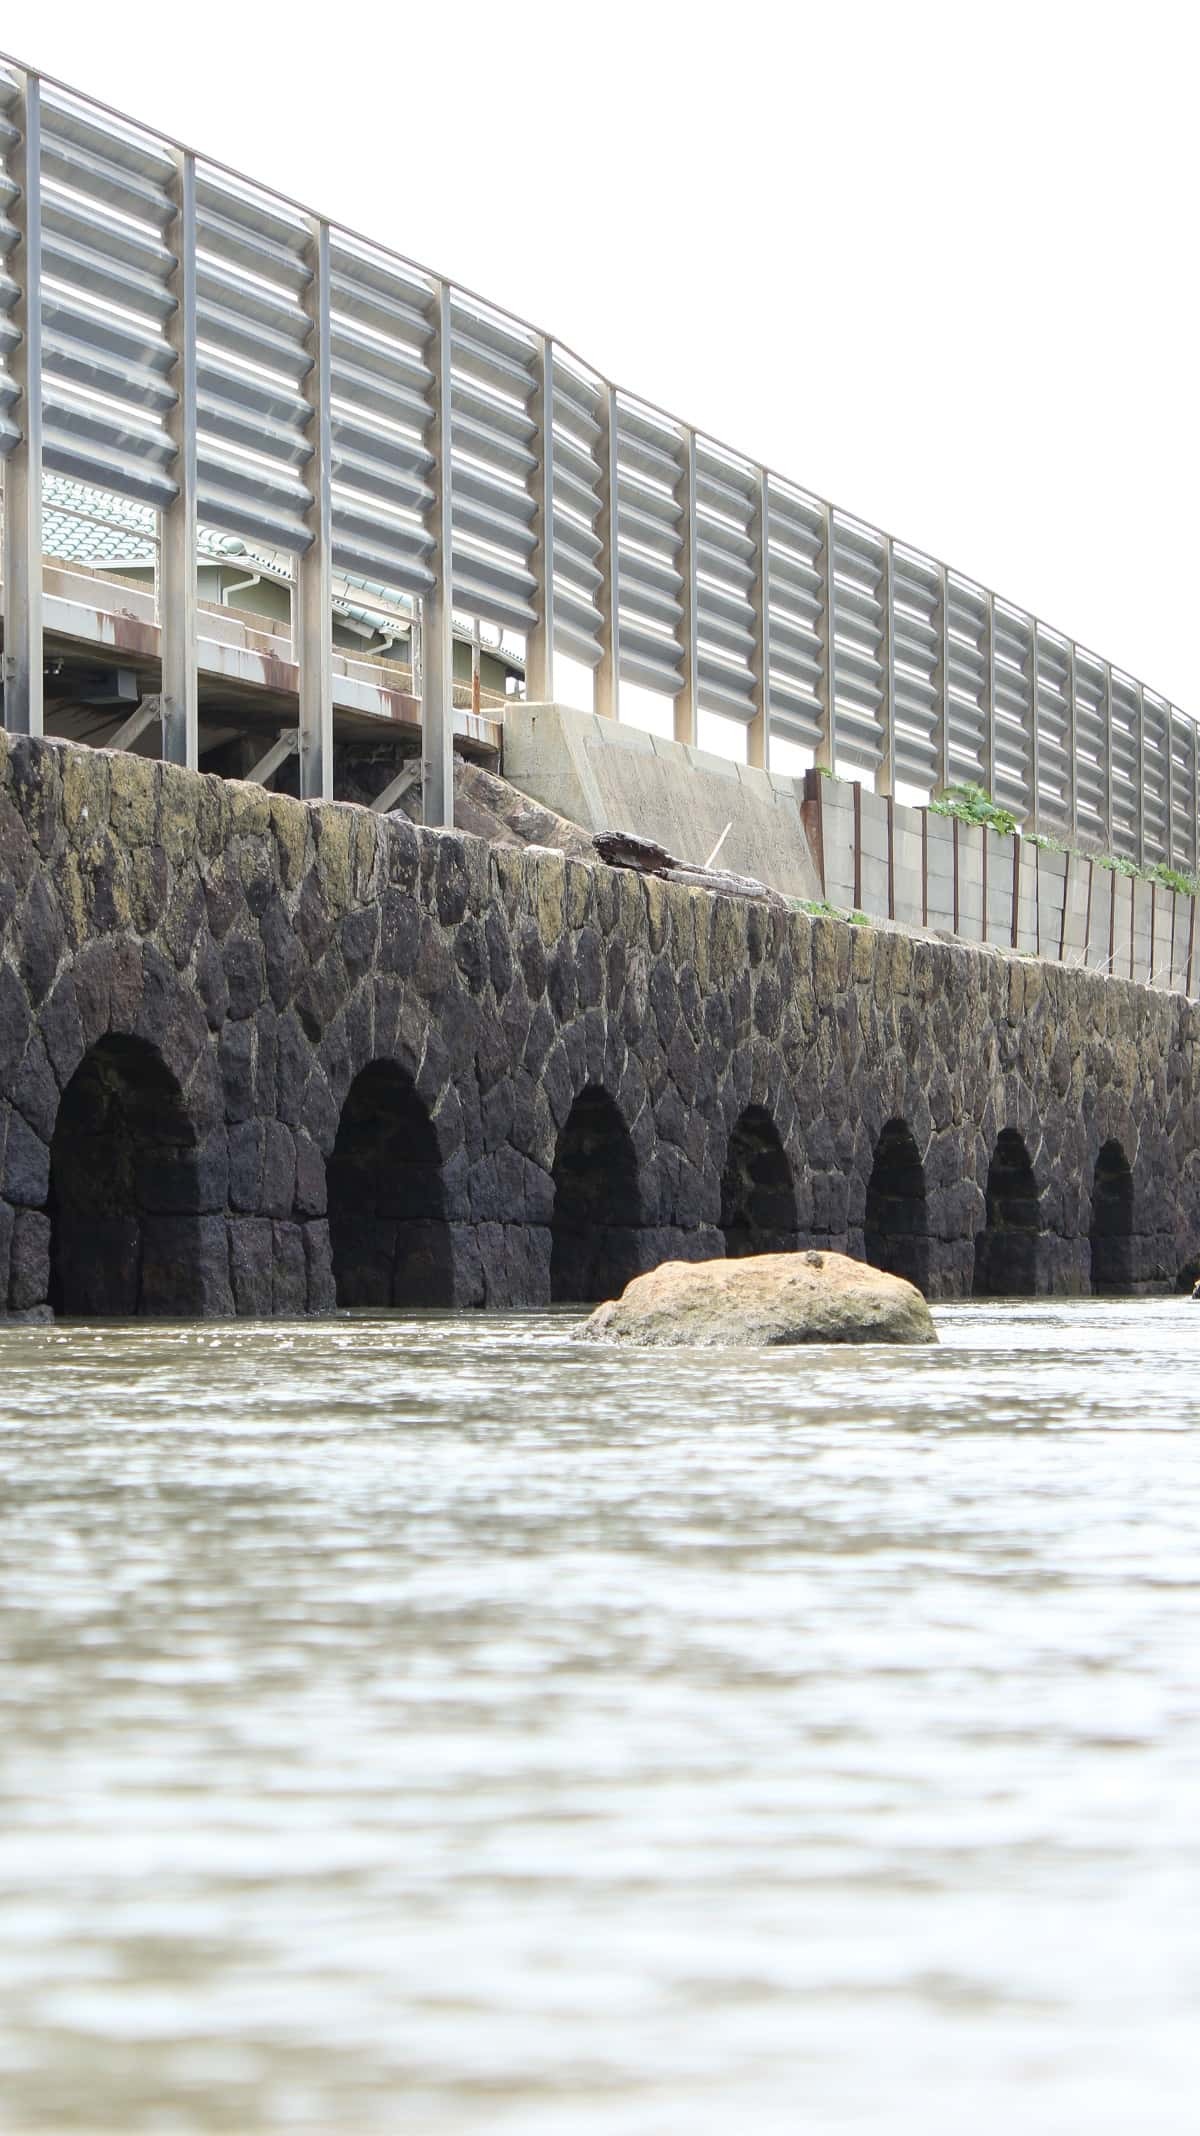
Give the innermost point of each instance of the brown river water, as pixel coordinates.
(426, 1724)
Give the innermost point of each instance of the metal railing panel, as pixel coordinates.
(1124, 761)
(253, 334)
(1091, 749)
(1156, 778)
(106, 299)
(179, 356)
(726, 580)
(1014, 754)
(10, 238)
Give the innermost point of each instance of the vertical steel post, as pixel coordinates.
(1107, 755)
(1141, 777)
(437, 618)
(1072, 746)
(1035, 753)
(1169, 710)
(826, 751)
(1194, 831)
(885, 773)
(177, 554)
(942, 767)
(687, 702)
(758, 734)
(607, 690)
(313, 592)
(23, 469)
(539, 650)
(989, 694)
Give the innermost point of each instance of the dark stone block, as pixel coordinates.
(313, 924)
(265, 1047)
(60, 1028)
(531, 956)
(319, 1116)
(15, 1025)
(41, 940)
(251, 1266)
(245, 975)
(185, 1268)
(245, 1166)
(29, 1276)
(186, 914)
(289, 1291)
(322, 1293)
(401, 923)
(283, 956)
(211, 985)
(310, 1190)
(35, 1089)
(470, 954)
(499, 952)
(278, 1170)
(235, 1059)
(293, 1068)
(18, 859)
(452, 881)
(26, 1165)
(561, 990)
(225, 901)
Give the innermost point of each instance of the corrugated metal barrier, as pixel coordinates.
(182, 337)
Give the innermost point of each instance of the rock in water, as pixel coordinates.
(761, 1299)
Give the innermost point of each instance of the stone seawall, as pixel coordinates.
(259, 1056)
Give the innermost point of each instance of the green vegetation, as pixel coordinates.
(819, 908)
(1174, 879)
(972, 804)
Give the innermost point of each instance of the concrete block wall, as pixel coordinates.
(922, 869)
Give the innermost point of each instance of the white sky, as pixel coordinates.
(934, 262)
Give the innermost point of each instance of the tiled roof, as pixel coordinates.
(83, 525)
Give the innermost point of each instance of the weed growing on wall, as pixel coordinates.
(972, 804)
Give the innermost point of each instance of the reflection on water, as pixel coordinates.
(432, 1725)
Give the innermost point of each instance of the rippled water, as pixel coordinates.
(427, 1724)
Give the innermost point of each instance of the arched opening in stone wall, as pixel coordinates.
(758, 1192)
(597, 1205)
(1112, 1221)
(897, 1221)
(388, 1233)
(123, 1189)
(1006, 1250)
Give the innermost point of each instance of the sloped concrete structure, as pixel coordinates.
(608, 775)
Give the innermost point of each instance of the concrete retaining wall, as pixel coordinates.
(923, 869)
(609, 776)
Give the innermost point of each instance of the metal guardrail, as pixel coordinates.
(178, 335)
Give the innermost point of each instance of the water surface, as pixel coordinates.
(428, 1724)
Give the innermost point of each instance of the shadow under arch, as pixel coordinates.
(758, 1191)
(388, 1234)
(123, 1202)
(1111, 1235)
(896, 1230)
(1006, 1250)
(595, 1228)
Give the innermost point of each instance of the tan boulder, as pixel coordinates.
(763, 1299)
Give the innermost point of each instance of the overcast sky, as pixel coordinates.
(936, 263)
